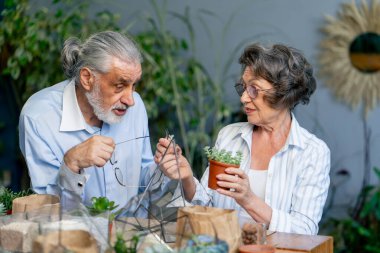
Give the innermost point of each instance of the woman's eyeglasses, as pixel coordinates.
(252, 91)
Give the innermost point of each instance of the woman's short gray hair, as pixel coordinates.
(286, 69)
(96, 52)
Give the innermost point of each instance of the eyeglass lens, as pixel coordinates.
(119, 176)
(113, 161)
(251, 90)
(118, 173)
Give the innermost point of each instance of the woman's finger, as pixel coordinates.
(228, 178)
(228, 185)
(236, 171)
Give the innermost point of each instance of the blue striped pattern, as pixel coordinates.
(297, 183)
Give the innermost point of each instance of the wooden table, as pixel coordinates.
(290, 243)
(284, 242)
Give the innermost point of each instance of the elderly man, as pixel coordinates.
(88, 136)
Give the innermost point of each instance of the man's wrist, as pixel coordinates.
(70, 164)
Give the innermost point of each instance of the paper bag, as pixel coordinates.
(78, 241)
(47, 203)
(217, 222)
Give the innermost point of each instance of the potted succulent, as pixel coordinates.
(121, 245)
(220, 160)
(101, 205)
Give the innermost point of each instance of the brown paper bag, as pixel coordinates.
(49, 203)
(217, 222)
(78, 241)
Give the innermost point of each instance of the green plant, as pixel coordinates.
(7, 196)
(2, 209)
(179, 93)
(31, 39)
(122, 247)
(223, 156)
(101, 205)
(362, 233)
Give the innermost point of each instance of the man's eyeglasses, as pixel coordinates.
(251, 90)
(116, 168)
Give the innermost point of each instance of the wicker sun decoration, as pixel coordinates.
(349, 83)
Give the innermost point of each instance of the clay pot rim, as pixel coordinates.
(224, 164)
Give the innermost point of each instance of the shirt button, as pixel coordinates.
(80, 184)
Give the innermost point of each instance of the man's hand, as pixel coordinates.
(96, 150)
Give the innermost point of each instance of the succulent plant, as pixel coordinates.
(223, 156)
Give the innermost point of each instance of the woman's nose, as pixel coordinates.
(245, 98)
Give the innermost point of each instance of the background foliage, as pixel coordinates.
(178, 92)
(360, 233)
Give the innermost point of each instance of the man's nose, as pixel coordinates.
(127, 97)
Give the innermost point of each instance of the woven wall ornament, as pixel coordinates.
(349, 83)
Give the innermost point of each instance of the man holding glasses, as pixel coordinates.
(88, 136)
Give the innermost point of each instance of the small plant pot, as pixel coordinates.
(215, 169)
(255, 248)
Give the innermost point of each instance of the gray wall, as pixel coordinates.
(296, 23)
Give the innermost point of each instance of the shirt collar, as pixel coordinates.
(294, 137)
(72, 117)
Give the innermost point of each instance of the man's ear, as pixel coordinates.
(87, 79)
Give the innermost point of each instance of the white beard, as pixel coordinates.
(94, 98)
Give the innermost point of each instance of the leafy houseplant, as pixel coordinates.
(7, 196)
(31, 39)
(102, 205)
(362, 233)
(176, 88)
(219, 161)
(121, 245)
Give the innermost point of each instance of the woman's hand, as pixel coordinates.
(169, 167)
(168, 164)
(236, 179)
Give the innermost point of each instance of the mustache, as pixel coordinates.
(120, 107)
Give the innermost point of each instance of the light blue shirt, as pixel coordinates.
(297, 179)
(51, 123)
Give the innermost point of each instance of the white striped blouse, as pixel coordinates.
(297, 183)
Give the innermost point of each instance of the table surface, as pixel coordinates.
(284, 242)
(287, 243)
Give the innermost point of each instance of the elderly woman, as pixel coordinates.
(283, 179)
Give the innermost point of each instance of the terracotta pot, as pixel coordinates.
(217, 168)
(254, 248)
